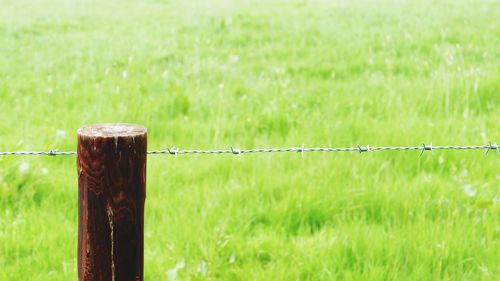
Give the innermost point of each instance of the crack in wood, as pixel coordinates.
(110, 220)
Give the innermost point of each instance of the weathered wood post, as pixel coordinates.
(111, 166)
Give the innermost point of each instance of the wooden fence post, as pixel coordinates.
(111, 166)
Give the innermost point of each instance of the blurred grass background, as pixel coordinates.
(215, 74)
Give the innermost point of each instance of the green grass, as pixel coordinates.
(214, 74)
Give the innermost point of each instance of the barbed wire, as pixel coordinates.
(361, 149)
(53, 152)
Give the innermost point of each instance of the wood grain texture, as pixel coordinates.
(111, 166)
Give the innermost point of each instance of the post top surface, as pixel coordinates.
(112, 130)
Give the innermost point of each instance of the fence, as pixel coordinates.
(360, 149)
(111, 163)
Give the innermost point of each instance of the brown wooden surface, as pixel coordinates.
(111, 166)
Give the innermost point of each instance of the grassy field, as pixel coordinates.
(215, 74)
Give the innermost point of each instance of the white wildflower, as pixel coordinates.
(441, 160)
(23, 168)
(61, 134)
(469, 190)
(234, 58)
(202, 268)
(172, 274)
(165, 74)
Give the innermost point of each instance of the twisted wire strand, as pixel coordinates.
(360, 149)
(49, 153)
(326, 149)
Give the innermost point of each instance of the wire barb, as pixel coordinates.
(492, 146)
(235, 151)
(426, 147)
(363, 149)
(174, 152)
